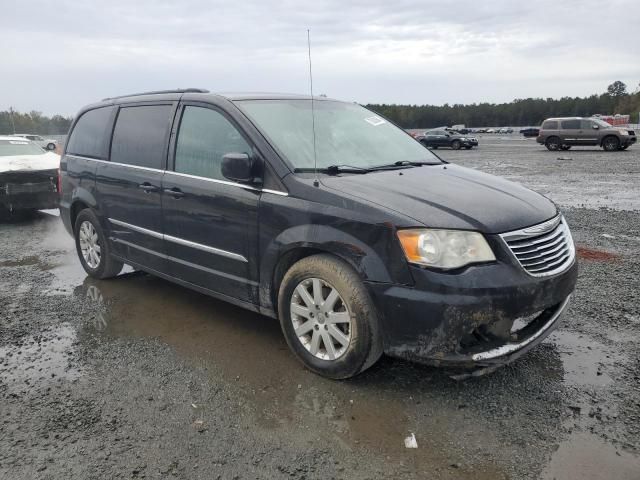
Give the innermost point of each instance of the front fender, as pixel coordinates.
(374, 261)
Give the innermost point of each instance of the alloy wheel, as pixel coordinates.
(89, 244)
(321, 319)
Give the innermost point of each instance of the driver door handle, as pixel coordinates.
(175, 192)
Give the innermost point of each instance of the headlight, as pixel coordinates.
(623, 132)
(463, 139)
(445, 249)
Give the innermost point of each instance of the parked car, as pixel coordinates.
(46, 143)
(28, 176)
(490, 130)
(368, 243)
(530, 132)
(505, 130)
(446, 138)
(563, 133)
(481, 130)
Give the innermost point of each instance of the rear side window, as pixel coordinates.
(90, 135)
(570, 124)
(205, 136)
(550, 125)
(140, 136)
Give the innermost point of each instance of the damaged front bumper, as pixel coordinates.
(29, 190)
(480, 319)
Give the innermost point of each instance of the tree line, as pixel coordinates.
(33, 122)
(520, 112)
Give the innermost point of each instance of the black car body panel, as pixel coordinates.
(235, 241)
(446, 139)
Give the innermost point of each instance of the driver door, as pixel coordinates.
(210, 223)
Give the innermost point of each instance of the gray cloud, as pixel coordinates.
(60, 55)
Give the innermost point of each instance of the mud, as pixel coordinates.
(139, 378)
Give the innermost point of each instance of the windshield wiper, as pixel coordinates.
(402, 164)
(334, 169)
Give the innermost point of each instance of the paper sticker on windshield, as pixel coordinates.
(375, 121)
(15, 142)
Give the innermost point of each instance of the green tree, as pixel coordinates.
(617, 89)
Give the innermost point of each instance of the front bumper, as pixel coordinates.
(469, 319)
(29, 190)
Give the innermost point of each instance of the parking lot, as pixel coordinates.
(138, 378)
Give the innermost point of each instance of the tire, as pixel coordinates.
(51, 146)
(610, 143)
(552, 144)
(624, 147)
(468, 148)
(566, 147)
(435, 147)
(456, 144)
(355, 317)
(88, 227)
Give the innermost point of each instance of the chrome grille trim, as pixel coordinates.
(548, 247)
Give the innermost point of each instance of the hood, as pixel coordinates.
(13, 163)
(449, 196)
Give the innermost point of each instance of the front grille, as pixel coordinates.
(544, 249)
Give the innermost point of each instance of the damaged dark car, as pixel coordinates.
(321, 214)
(28, 176)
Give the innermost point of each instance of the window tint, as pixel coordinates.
(570, 124)
(205, 136)
(140, 136)
(90, 136)
(550, 125)
(587, 125)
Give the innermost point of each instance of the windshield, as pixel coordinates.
(346, 134)
(19, 147)
(601, 123)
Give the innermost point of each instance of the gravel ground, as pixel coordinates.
(138, 378)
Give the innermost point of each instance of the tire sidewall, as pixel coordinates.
(359, 306)
(553, 144)
(606, 142)
(88, 215)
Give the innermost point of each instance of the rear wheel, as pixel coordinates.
(92, 247)
(552, 143)
(51, 146)
(456, 144)
(610, 144)
(327, 317)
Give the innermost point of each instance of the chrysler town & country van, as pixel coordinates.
(323, 215)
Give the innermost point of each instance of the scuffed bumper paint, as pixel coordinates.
(467, 320)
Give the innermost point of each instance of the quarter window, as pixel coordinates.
(140, 136)
(570, 124)
(205, 136)
(90, 135)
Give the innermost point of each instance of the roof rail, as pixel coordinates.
(158, 92)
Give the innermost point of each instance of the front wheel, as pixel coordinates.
(552, 143)
(456, 145)
(468, 148)
(92, 247)
(624, 147)
(610, 144)
(328, 318)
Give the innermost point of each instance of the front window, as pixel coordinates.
(19, 147)
(346, 134)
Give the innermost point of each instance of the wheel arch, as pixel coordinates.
(294, 244)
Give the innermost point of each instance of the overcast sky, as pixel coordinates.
(57, 55)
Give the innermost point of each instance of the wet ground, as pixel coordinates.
(139, 378)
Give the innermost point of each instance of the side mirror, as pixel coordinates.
(595, 127)
(239, 167)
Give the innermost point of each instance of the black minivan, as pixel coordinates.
(324, 215)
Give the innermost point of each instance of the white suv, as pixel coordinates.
(45, 143)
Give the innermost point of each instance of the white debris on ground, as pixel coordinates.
(410, 441)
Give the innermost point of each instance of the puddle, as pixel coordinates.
(585, 361)
(584, 456)
(39, 360)
(249, 353)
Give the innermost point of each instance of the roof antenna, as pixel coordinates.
(316, 182)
